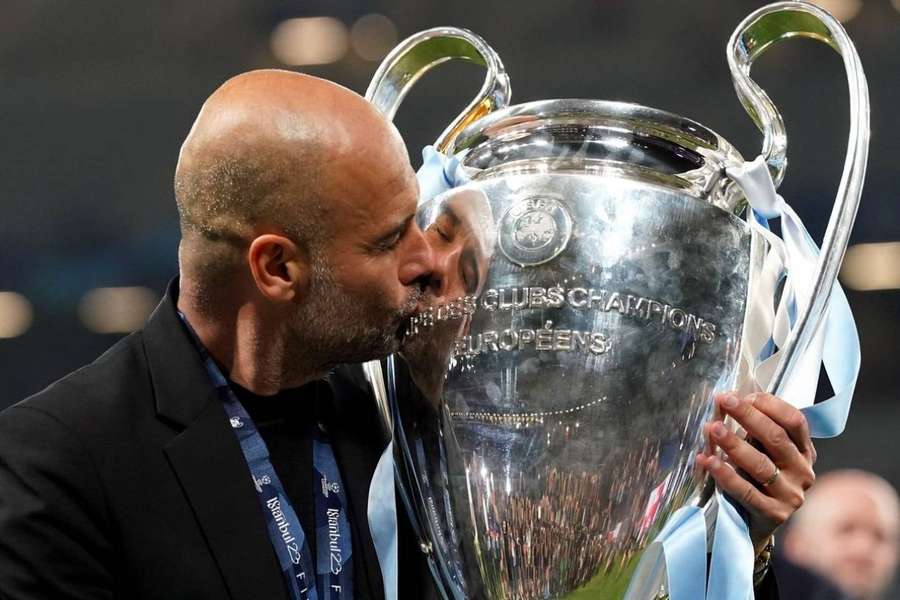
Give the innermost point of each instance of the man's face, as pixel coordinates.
(368, 275)
(855, 543)
(461, 236)
(460, 231)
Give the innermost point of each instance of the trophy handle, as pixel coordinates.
(421, 52)
(752, 37)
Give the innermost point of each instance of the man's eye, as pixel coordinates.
(437, 228)
(391, 242)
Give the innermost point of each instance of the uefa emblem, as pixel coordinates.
(535, 230)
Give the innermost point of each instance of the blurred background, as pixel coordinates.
(96, 98)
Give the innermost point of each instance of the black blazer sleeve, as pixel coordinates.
(53, 541)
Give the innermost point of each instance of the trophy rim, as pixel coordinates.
(707, 182)
(597, 110)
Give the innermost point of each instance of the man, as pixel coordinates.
(205, 456)
(299, 252)
(848, 533)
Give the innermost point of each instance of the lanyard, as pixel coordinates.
(334, 568)
(334, 573)
(285, 532)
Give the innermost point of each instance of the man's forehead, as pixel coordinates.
(374, 208)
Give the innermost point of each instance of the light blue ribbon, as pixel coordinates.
(731, 564)
(841, 357)
(840, 353)
(382, 516)
(438, 174)
(683, 542)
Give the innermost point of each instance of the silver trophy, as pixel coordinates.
(595, 275)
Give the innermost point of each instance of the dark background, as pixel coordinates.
(96, 97)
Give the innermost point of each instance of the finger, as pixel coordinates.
(710, 448)
(716, 416)
(761, 427)
(744, 456)
(730, 482)
(792, 420)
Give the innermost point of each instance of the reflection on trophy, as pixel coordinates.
(595, 271)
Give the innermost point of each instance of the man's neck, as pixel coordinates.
(247, 347)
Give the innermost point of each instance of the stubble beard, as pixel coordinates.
(333, 328)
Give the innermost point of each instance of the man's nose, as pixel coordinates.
(444, 281)
(418, 257)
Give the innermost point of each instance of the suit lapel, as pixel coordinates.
(207, 459)
(215, 478)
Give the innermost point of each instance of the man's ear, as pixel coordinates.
(279, 266)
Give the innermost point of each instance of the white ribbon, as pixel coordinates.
(794, 259)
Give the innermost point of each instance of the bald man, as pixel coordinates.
(207, 455)
(299, 251)
(849, 533)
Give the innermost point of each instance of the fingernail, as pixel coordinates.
(730, 401)
(718, 430)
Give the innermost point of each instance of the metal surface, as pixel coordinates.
(601, 137)
(557, 406)
(753, 36)
(425, 50)
(593, 281)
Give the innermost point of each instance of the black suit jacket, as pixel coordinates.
(124, 480)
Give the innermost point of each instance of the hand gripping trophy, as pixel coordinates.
(607, 271)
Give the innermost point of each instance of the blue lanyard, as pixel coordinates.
(285, 531)
(334, 568)
(334, 572)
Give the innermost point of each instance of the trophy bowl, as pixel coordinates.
(590, 309)
(594, 273)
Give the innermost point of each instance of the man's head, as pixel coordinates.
(848, 531)
(462, 235)
(460, 229)
(296, 197)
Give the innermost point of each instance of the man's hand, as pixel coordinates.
(769, 471)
